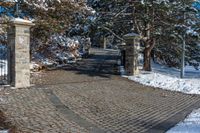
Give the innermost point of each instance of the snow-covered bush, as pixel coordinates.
(61, 50)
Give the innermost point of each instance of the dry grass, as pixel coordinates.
(6, 4)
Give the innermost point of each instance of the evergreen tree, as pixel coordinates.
(183, 25)
(159, 22)
(55, 16)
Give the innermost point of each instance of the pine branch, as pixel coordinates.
(106, 28)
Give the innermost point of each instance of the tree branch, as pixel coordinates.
(106, 28)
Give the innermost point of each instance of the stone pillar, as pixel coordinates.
(131, 54)
(19, 43)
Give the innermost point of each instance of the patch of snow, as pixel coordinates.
(168, 79)
(3, 61)
(121, 68)
(154, 79)
(47, 62)
(3, 67)
(192, 32)
(190, 72)
(21, 20)
(4, 131)
(190, 125)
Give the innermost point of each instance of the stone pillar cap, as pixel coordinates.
(131, 36)
(19, 21)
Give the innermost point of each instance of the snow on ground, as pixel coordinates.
(168, 78)
(3, 67)
(4, 131)
(190, 125)
(3, 62)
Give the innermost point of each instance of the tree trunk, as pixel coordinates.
(147, 59)
(150, 41)
(147, 54)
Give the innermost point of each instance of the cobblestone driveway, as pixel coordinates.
(90, 97)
